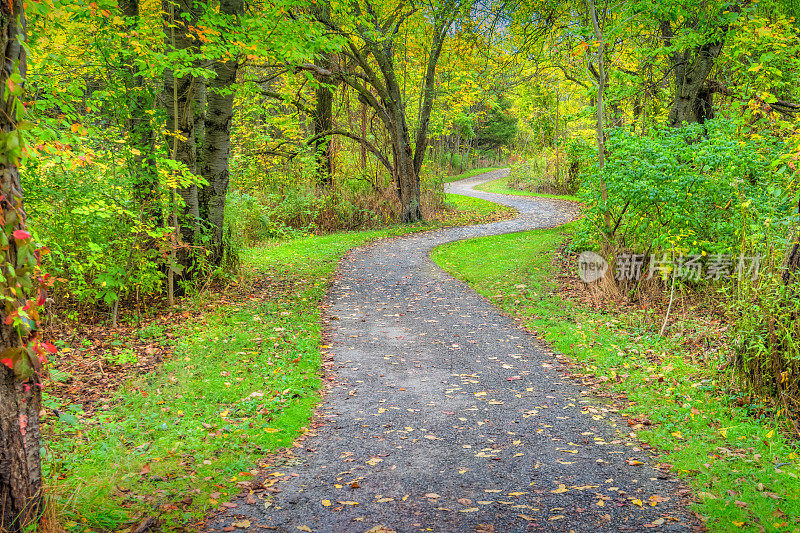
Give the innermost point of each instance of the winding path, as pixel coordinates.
(446, 416)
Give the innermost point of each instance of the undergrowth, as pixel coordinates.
(240, 382)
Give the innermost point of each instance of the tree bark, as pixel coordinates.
(180, 99)
(142, 138)
(217, 142)
(693, 101)
(601, 88)
(323, 121)
(20, 398)
(421, 141)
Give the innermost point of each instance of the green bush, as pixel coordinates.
(684, 189)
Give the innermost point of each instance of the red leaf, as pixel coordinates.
(8, 362)
(50, 347)
(145, 469)
(21, 235)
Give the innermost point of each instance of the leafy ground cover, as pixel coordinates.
(500, 186)
(734, 454)
(195, 398)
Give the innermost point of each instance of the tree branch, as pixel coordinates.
(368, 145)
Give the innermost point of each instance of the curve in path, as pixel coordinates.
(425, 423)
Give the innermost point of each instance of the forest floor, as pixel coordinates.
(163, 419)
(196, 412)
(444, 414)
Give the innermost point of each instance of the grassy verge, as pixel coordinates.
(744, 472)
(500, 186)
(470, 173)
(241, 380)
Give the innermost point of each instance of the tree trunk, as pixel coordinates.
(322, 122)
(216, 148)
(180, 103)
(693, 101)
(421, 140)
(601, 88)
(20, 393)
(142, 138)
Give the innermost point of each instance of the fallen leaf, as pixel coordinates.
(556, 517)
(326, 503)
(464, 501)
(637, 501)
(432, 495)
(470, 510)
(526, 517)
(656, 499)
(348, 502)
(145, 469)
(304, 528)
(242, 524)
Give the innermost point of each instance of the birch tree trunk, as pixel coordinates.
(217, 141)
(179, 97)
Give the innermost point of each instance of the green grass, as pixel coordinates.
(242, 380)
(473, 208)
(500, 186)
(470, 173)
(743, 470)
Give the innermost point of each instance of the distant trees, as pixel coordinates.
(368, 65)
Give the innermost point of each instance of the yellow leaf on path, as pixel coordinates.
(242, 524)
(556, 517)
(304, 528)
(480, 393)
(516, 493)
(637, 501)
(658, 522)
(348, 502)
(492, 490)
(384, 500)
(326, 503)
(526, 517)
(470, 510)
(600, 503)
(569, 451)
(561, 489)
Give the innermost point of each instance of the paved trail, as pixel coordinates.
(448, 417)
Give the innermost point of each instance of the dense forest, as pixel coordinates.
(147, 146)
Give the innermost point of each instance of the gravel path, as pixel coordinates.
(446, 416)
